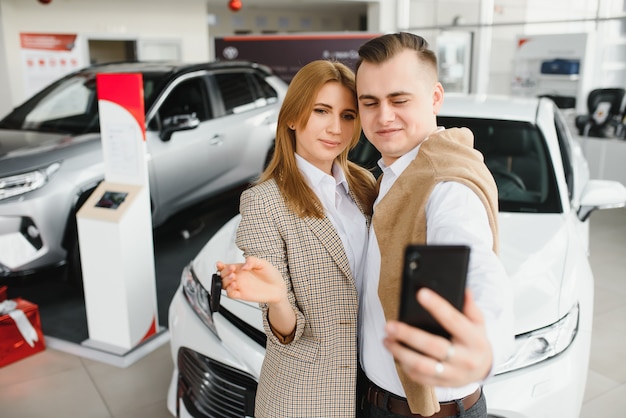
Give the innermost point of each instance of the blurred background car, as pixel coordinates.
(209, 127)
(545, 199)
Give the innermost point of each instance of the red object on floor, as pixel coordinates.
(13, 346)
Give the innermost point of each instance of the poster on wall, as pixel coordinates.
(286, 54)
(553, 65)
(47, 57)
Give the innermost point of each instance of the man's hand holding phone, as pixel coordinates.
(447, 344)
(430, 359)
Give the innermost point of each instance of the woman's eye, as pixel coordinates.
(321, 111)
(349, 116)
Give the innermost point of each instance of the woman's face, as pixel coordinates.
(330, 127)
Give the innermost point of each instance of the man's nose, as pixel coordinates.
(385, 113)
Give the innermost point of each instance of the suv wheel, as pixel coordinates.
(73, 269)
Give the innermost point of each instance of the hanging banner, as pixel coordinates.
(46, 57)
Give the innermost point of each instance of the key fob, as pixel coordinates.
(216, 292)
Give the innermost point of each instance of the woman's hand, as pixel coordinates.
(256, 280)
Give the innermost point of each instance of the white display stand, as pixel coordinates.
(118, 269)
(115, 227)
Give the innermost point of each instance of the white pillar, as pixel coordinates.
(6, 104)
(403, 15)
(482, 57)
(382, 16)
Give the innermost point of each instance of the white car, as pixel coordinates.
(545, 197)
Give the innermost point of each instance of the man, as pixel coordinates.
(435, 189)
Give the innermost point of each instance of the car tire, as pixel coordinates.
(73, 268)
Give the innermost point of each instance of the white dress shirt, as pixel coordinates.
(344, 214)
(454, 215)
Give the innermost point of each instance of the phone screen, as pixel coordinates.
(111, 200)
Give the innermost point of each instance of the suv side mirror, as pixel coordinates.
(601, 194)
(178, 123)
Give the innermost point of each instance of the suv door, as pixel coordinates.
(228, 147)
(248, 117)
(184, 167)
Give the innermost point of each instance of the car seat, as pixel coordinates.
(605, 116)
(513, 159)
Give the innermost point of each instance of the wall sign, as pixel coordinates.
(47, 57)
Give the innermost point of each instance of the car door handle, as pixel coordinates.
(216, 140)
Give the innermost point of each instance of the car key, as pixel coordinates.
(216, 292)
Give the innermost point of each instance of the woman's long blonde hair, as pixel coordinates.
(296, 109)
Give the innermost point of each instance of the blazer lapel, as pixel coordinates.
(360, 206)
(328, 237)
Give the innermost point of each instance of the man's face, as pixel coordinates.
(398, 103)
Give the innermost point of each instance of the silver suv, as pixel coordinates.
(209, 127)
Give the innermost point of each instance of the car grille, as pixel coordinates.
(210, 389)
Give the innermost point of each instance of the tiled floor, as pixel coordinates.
(56, 384)
(605, 394)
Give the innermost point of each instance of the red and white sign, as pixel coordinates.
(120, 103)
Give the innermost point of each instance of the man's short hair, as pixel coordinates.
(384, 47)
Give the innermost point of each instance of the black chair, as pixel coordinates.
(514, 157)
(606, 112)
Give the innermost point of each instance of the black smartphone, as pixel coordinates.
(442, 268)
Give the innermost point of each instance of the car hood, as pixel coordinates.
(533, 248)
(22, 151)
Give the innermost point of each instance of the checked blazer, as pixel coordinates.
(315, 374)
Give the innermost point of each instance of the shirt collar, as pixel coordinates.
(398, 166)
(315, 176)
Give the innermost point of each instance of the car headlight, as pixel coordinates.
(544, 343)
(197, 297)
(26, 182)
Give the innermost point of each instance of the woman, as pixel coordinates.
(303, 232)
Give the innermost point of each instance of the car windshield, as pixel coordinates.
(514, 152)
(69, 106)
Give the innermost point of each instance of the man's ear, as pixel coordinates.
(437, 97)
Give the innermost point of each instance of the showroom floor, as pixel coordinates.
(56, 384)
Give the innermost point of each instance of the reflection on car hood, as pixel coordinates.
(22, 151)
(533, 248)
